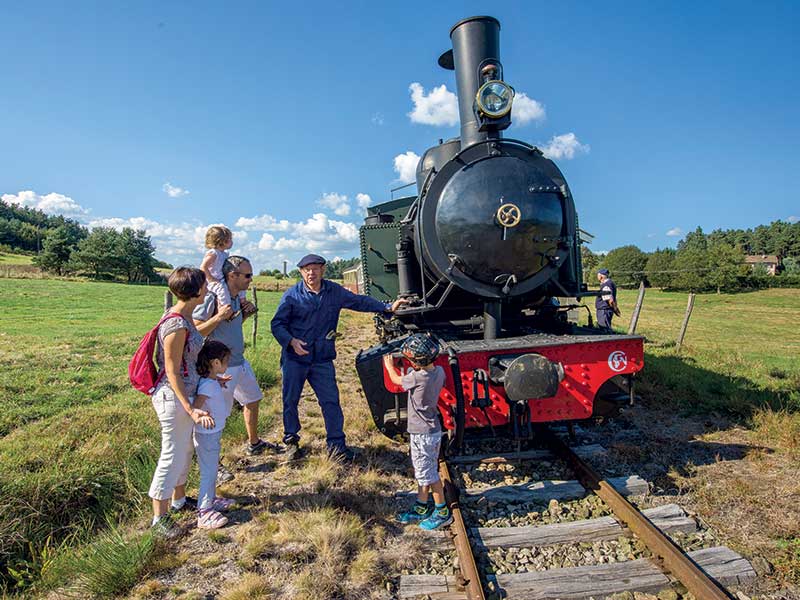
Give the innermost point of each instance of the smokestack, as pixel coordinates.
(474, 40)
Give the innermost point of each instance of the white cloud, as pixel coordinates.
(338, 203)
(405, 165)
(51, 203)
(267, 242)
(438, 107)
(363, 201)
(173, 191)
(262, 223)
(793, 219)
(287, 244)
(675, 232)
(377, 119)
(564, 146)
(525, 109)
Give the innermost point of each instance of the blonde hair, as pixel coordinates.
(216, 235)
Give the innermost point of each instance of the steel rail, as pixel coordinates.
(673, 558)
(466, 560)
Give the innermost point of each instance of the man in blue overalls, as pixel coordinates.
(606, 302)
(305, 327)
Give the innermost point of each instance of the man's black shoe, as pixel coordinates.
(260, 446)
(294, 451)
(223, 475)
(341, 454)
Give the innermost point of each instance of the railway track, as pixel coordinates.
(663, 566)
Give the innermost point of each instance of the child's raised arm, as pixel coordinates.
(394, 374)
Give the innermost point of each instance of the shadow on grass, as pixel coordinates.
(678, 381)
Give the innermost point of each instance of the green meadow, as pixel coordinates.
(78, 445)
(741, 351)
(7, 258)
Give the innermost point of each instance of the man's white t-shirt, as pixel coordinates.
(215, 404)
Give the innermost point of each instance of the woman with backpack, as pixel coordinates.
(178, 344)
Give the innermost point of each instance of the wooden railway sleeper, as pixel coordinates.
(670, 554)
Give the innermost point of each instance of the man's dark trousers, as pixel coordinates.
(604, 316)
(322, 378)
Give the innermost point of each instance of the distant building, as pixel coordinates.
(769, 261)
(354, 279)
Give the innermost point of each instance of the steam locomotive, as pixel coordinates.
(487, 252)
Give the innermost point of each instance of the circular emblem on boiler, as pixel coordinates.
(509, 215)
(617, 361)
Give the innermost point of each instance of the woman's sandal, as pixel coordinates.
(211, 519)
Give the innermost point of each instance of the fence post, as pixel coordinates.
(689, 306)
(167, 300)
(637, 309)
(255, 316)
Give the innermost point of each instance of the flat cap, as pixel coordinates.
(311, 259)
(603, 272)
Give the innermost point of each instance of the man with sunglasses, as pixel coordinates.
(224, 324)
(305, 327)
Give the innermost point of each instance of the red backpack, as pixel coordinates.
(142, 371)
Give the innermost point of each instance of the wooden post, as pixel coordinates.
(689, 306)
(255, 316)
(167, 300)
(636, 310)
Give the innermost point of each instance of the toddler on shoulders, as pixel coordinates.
(219, 239)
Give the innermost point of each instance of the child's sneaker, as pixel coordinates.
(441, 517)
(416, 513)
(211, 519)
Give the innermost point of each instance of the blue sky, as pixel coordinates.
(279, 119)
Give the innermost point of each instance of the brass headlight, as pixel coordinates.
(494, 99)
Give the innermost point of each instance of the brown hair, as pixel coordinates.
(216, 235)
(186, 282)
(211, 349)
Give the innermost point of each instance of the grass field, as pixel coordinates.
(14, 259)
(78, 444)
(740, 352)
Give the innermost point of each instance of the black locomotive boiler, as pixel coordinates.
(483, 253)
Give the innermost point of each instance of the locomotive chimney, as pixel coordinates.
(475, 40)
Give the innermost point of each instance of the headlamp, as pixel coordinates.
(494, 99)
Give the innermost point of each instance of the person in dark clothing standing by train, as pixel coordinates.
(305, 327)
(606, 303)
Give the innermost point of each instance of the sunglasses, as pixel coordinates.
(246, 275)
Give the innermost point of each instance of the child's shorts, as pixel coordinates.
(425, 456)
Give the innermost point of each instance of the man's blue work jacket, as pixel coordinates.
(311, 317)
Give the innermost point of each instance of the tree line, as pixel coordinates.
(705, 262)
(64, 246)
